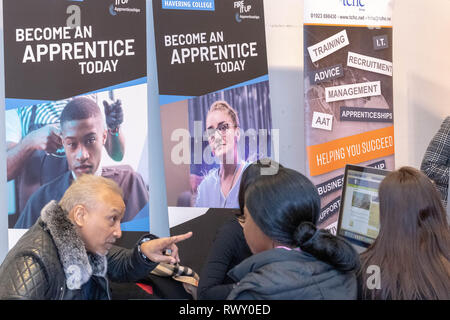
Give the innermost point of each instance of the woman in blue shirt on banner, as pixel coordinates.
(220, 187)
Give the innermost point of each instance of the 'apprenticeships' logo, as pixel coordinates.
(120, 6)
(243, 11)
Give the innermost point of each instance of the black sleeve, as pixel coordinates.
(25, 279)
(128, 265)
(224, 254)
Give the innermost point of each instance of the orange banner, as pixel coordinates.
(354, 149)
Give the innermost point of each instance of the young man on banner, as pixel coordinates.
(69, 253)
(32, 135)
(83, 136)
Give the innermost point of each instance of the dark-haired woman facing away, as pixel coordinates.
(412, 250)
(228, 249)
(291, 258)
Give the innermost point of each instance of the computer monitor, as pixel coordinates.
(359, 213)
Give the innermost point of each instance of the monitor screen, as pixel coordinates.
(359, 215)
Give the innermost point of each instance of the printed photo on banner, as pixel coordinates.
(53, 143)
(207, 135)
(354, 88)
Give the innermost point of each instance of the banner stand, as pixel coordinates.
(3, 191)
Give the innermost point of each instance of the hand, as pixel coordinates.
(155, 249)
(113, 114)
(46, 138)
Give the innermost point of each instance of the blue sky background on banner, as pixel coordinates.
(12, 103)
(139, 223)
(166, 99)
(203, 5)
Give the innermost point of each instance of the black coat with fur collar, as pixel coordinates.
(51, 262)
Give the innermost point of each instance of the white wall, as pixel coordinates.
(421, 82)
(284, 34)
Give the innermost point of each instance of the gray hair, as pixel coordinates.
(86, 190)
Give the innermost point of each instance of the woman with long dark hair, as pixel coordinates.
(292, 259)
(412, 250)
(228, 249)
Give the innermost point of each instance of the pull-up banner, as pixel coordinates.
(348, 92)
(54, 52)
(211, 52)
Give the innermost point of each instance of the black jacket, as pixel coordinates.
(228, 250)
(290, 275)
(51, 262)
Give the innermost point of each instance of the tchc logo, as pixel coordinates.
(353, 3)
